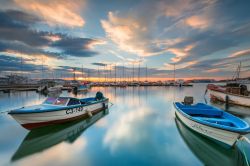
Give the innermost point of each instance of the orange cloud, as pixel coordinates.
(55, 12)
(197, 22)
(181, 52)
(92, 44)
(240, 53)
(132, 35)
(53, 37)
(213, 71)
(168, 66)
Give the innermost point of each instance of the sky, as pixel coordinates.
(97, 38)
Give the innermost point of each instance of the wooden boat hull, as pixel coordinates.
(233, 99)
(226, 137)
(34, 120)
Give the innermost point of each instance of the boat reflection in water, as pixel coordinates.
(240, 111)
(43, 138)
(208, 151)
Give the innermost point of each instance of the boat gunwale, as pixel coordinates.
(244, 130)
(12, 112)
(229, 93)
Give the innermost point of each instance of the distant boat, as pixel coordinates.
(212, 122)
(58, 110)
(55, 89)
(208, 151)
(233, 93)
(82, 88)
(40, 139)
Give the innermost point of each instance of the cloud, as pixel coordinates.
(21, 48)
(214, 67)
(9, 63)
(140, 34)
(78, 47)
(197, 22)
(14, 27)
(55, 12)
(214, 36)
(17, 36)
(99, 64)
(241, 53)
(132, 35)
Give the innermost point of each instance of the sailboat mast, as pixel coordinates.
(82, 71)
(239, 70)
(174, 72)
(74, 74)
(133, 72)
(123, 73)
(139, 72)
(115, 73)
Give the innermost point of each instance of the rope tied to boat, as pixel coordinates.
(3, 112)
(205, 96)
(111, 104)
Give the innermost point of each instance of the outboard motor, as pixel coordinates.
(188, 100)
(99, 96)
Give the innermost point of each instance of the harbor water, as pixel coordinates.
(140, 128)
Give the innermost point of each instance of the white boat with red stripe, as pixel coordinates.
(59, 110)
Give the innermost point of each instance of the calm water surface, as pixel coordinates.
(139, 129)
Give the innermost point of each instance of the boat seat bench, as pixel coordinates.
(206, 112)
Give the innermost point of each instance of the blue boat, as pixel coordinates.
(212, 122)
(58, 110)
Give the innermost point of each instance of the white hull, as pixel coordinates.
(34, 118)
(224, 136)
(233, 99)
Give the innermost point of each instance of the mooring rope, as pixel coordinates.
(111, 104)
(3, 112)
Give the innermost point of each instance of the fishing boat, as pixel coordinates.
(43, 138)
(212, 122)
(234, 92)
(58, 110)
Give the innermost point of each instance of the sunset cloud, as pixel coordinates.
(241, 53)
(197, 22)
(202, 38)
(132, 35)
(55, 12)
